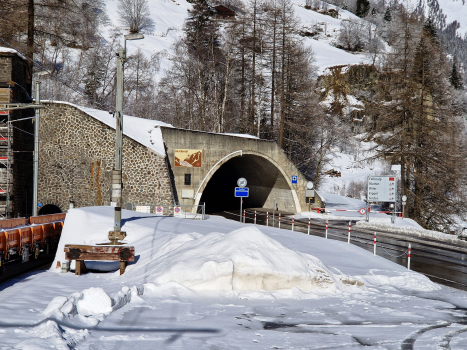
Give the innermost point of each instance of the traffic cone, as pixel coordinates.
(58, 265)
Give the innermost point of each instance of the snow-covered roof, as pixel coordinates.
(6, 49)
(144, 131)
(247, 136)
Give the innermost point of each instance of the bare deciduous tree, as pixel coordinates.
(135, 15)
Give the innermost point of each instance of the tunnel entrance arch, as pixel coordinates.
(267, 182)
(49, 209)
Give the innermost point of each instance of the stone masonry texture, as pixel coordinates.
(77, 154)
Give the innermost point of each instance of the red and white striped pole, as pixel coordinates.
(348, 239)
(292, 222)
(267, 218)
(326, 228)
(244, 216)
(279, 220)
(255, 217)
(408, 257)
(374, 244)
(309, 223)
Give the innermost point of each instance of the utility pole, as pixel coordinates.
(117, 181)
(36, 150)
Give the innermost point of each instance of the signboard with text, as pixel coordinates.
(382, 188)
(190, 158)
(241, 191)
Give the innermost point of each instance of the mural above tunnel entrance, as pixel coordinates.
(188, 158)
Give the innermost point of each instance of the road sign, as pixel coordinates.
(177, 210)
(362, 211)
(241, 191)
(294, 179)
(309, 185)
(241, 182)
(382, 188)
(143, 209)
(159, 210)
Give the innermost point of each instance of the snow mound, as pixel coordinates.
(242, 260)
(94, 301)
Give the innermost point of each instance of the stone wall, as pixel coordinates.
(77, 154)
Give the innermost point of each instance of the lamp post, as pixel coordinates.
(36, 152)
(117, 183)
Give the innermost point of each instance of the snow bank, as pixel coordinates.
(412, 281)
(245, 259)
(410, 228)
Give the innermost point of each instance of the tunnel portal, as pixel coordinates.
(265, 182)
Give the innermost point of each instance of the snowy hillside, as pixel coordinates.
(455, 10)
(169, 17)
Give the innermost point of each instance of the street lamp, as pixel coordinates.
(117, 182)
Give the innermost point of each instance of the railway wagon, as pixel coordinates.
(32, 235)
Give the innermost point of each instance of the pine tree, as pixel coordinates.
(94, 76)
(387, 15)
(456, 78)
(417, 128)
(363, 7)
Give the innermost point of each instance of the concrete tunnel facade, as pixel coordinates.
(225, 158)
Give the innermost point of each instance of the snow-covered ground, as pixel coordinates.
(219, 284)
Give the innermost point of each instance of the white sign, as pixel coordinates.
(382, 188)
(177, 211)
(362, 211)
(188, 193)
(143, 208)
(160, 210)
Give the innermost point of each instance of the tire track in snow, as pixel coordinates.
(444, 343)
(409, 341)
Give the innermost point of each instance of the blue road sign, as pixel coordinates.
(294, 179)
(241, 191)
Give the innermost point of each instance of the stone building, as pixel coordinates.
(77, 154)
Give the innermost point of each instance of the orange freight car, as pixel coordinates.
(44, 234)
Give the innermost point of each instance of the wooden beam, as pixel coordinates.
(80, 267)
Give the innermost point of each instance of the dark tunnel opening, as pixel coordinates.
(49, 209)
(263, 179)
